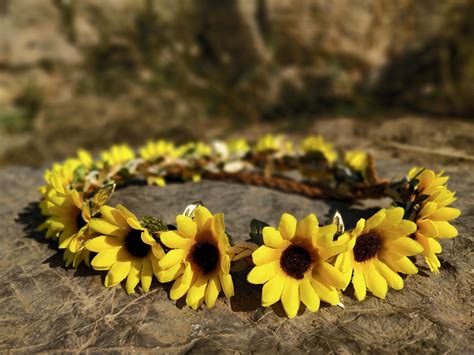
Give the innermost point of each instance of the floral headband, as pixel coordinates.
(296, 261)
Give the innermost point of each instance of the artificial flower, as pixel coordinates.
(377, 250)
(124, 248)
(270, 143)
(293, 264)
(357, 160)
(157, 150)
(316, 144)
(197, 261)
(67, 220)
(117, 155)
(433, 215)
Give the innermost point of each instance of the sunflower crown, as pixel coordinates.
(296, 261)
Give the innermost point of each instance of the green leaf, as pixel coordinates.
(153, 224)
(256, 229)
(79, 174)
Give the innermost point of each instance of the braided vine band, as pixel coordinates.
(296, 261)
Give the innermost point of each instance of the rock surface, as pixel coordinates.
(45, 307)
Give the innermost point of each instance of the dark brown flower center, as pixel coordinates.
(367, 246)
(80, 221)
(135, 244)
(205, 256)
(295, 261)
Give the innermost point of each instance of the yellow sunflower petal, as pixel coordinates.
(225, 263)
(212, 291)
(375, 220)
(271, 291)
(393, 217)
(265, 255)
(290, 297)
(203, 218)
(400, 264)
(393, 279)
(445, 229)
(326, 293)
(104, 259)
(157, 251)
(133, 277)
(103, 242)
(287, 226)
(330, 275)
(147, 238)
(428, 209)
(427, 228)
(406, 227)
(196, 292)
(171, 274)
(375, 282)
(227, 284)
(445, 214)
(186, 226)
(118, 272)
(103, 227)
(146, 274)
(325, 235)
(433, 263)
(173, 240)
(308, 226)
(426, 178)
(133, 223)
(180, 287)
(358, 282)
(272, 238)
(309, 296)
(262, 273)
(125, 212)
(435, 247)
(171, 258)
(405, 246)
(359, 227)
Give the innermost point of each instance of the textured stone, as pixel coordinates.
(45, 307)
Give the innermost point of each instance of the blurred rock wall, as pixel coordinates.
(250, 59)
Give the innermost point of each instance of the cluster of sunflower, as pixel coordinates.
(298, 261)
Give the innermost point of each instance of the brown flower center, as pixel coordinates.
(295, 261)
(135, 244)
(367, 246)
(205, 256)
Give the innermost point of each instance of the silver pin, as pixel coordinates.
(338, 221)
(190, 209)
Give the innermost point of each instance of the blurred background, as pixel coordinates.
(89, 73)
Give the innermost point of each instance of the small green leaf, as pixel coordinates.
(153, 224)
(256, 229)
(79, 174)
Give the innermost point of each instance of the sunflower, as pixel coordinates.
(316, 144)
(64, 173)
(197, 259)
(433, 215)
(237, 147)
(124, 248)
(157, 150)
(377, 250)
(293, 264)
(270, 143)
(357, 160)
(67, 220)
(117, 155)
